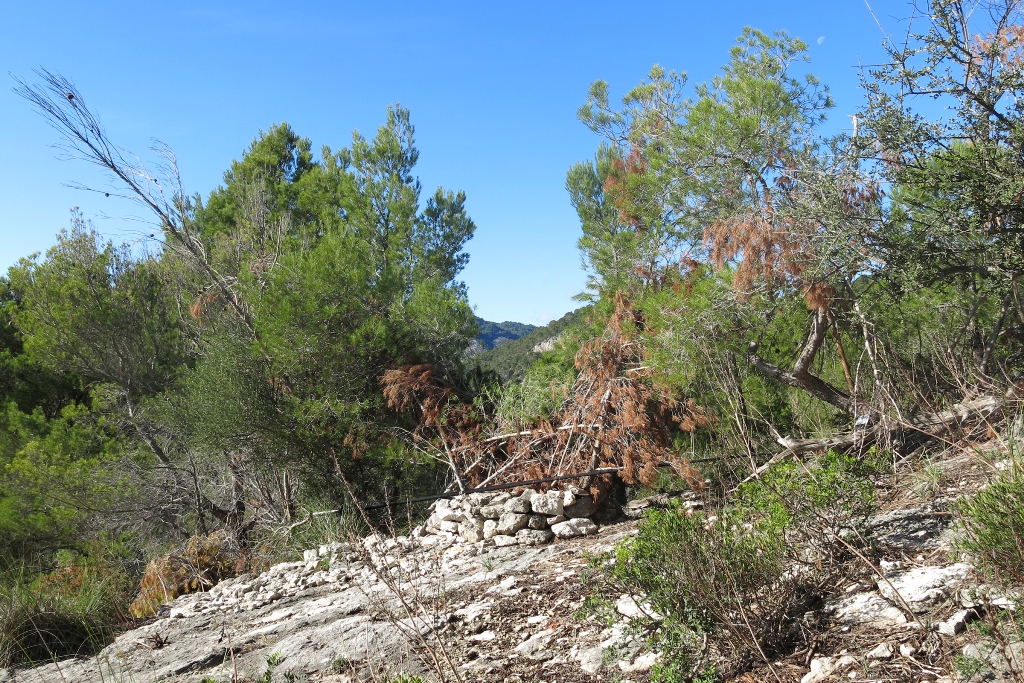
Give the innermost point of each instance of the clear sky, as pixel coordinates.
(493, 88)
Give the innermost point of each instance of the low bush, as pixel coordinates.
(733, 582)
(73, 611)
(993, 526)
(198, 566)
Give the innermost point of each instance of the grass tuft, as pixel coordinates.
(71, 612)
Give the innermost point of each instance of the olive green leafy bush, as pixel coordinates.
(744, 572)
(993, 525)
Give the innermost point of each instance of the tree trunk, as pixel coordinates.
(800, 376)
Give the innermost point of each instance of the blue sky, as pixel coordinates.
(493, 88)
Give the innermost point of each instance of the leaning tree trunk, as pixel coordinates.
(800, 376)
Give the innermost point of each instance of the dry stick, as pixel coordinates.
(451, 462)
(996, 329)
(231, 651)
(756, 474)
(565, 451)
(732, 627)
(388, 580)
(868, 336)
(511, 461)
(530, 432)
(739, 413)
(876, 570)
(842, 357)
(750, 629)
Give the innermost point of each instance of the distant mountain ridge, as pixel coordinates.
(493, 335)
(513, 358)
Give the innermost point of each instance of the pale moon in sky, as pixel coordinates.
(821, 40)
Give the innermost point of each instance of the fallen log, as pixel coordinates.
(928, 424)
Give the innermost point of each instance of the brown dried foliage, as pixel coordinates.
(198, 566)
(624, 193)
(615, 416)
(1005, 47)
(198, 307)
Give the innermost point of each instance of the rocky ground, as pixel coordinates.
(541, 613)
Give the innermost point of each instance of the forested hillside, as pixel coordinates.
(513, 358)
(492, 335)
(774, 316)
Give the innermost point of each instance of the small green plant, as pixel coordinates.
(993, 525)
(599, 606)
(927, 480)
(272, 663)
(967, 667)
(725, 573)
(404, 678)
(72, 611)
(340, 665)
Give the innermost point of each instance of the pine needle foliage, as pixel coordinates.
(614, 415)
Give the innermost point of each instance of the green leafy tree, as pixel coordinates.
(957, 180)
(711, 208)
(94, 309)
(375, 289)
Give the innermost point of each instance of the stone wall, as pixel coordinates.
(504, 519)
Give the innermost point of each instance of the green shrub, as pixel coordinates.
(993, 525)
(404, 678)
(539, 395)
(814, 502)
(72, 611)
(744, 574)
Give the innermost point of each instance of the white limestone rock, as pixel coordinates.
(492, 511)
(592, 659)
(629, 607)
(536, 646)
(573, 528)
(583, 507)
(481, 499)
(883, 652)
(866, 609)
(471, 532)
(518, 506)
(549, 503)
(823, 667)
(957, 623)
(503, 540)
(923, 587)
(538, 522)
(533, 536)
(642, 663)
(511, 522)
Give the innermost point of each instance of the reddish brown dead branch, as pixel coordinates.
(615, 416)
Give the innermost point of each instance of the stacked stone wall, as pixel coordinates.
(504, 519)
